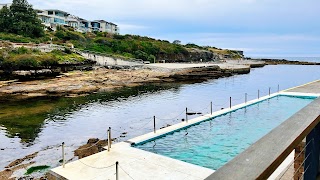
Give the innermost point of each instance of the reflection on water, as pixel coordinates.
(42, 124)
(25, 119)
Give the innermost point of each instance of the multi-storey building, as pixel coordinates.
(52, 18)
(104, 26)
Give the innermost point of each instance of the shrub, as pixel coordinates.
(60, 34)
(117, 36)
(102, 40)
(28, 61)
(25, 62)
(71, 35)
(20, 50)
(15, 38)
(67, 51)
(48, 60)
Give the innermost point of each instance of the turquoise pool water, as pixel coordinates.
(213, 143)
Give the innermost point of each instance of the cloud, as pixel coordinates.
(265, 26)
(132, 28)
(256, 44)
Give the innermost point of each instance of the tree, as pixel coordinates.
(5, 19)
(176, 42)
(21, 19)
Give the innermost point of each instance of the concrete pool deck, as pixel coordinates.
(138, 164)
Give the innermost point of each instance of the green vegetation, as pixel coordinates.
(128, 46)
(19, 23)
(231, 53)
(26, 59)
(36, 168)
(22, 39)
(20, 19)
(67, 56)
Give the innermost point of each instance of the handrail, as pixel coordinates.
(262, 158)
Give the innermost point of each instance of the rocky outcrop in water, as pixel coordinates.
(289, 62)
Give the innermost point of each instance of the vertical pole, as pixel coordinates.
(269, 90)
(110, 136)
(258, 93)
(245, 98)
(186, 114)
(109, 139)
(117, 173)
(230, 102)
(278, 87)
(154, 124)
(211, 107)
(63, 156)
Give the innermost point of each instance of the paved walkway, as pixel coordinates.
(133, 164)
(312, 87)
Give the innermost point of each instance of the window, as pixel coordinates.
(50, 12)
(59, 21)
(45, 19)
(59, 14)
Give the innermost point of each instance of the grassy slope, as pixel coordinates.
(126, 46)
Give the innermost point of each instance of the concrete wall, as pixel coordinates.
(110, 61)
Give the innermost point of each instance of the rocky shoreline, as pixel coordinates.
(79, 83)
(288, 62)
(102, 79)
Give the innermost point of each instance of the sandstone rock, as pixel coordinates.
(93, 146)
(19, 161)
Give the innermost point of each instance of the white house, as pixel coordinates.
(104, 26)
(51, 18)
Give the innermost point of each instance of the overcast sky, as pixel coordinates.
(259, 27)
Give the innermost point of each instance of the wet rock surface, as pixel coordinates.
(17, 165)
(78, 83)
(93, 146)
(19, 161)
(284, 61)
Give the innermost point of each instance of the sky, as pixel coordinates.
(261, 28)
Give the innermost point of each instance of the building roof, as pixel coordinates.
(112, 23)
(73, 18)
(40, 14)
(81, 19)
(104, 22)
(57, 10)
(101, 21)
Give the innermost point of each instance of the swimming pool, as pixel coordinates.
(214, 142)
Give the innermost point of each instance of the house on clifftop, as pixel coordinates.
(52, 18)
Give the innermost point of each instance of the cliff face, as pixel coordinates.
(191, 55)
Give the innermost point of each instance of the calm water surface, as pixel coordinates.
(43, 124)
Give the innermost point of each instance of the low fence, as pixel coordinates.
(300, 133)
